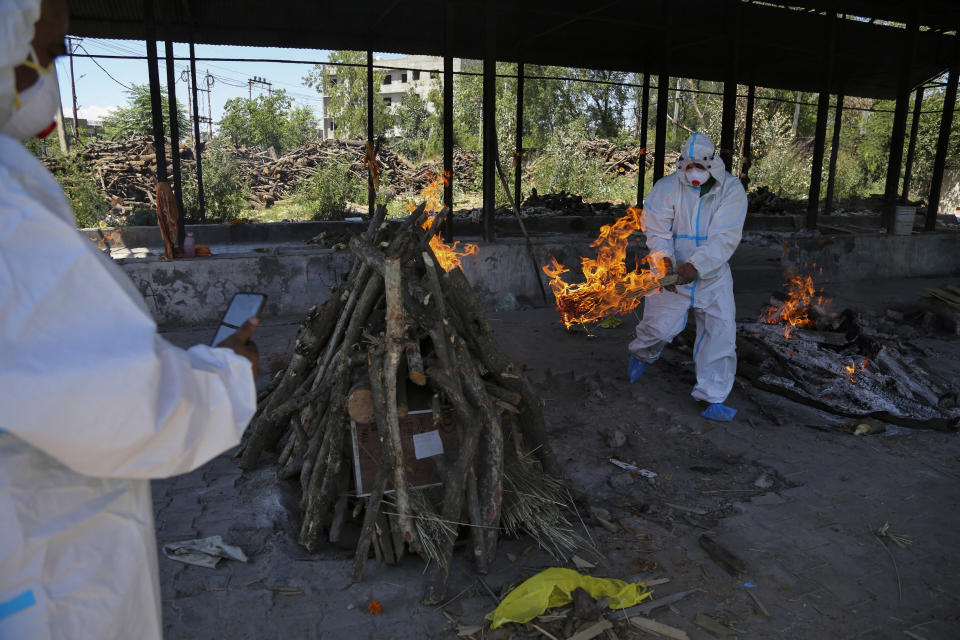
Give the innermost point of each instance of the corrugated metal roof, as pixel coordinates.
(778, 46)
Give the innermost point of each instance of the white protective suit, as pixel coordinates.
(93, 403)
(703, 231)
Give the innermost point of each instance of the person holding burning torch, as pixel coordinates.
(694, 218)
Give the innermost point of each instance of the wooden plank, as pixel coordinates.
(658, 627)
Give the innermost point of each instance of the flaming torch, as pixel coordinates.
(610, 287)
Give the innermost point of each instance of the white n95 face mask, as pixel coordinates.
(697, 176)
(35, 110)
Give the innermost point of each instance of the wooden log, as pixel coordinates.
(403, 407)
(314, 331)
(483, 345)
(360, 402)
(321, 492)
(498, 392)
(394, 346)
(384, 472)
(415, 363)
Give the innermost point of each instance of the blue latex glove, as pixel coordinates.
(636, 368)
(719, 412)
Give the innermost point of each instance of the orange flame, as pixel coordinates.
(851, 369)
(610, 287)
(447, 254)
(794, 313)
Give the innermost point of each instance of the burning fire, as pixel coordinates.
(610, 287)
(851, 369)
(447, 254)
(795, 312)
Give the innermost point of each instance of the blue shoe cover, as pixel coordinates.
(719, 412)
(636, 368)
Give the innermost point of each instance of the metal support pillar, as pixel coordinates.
(156, 104)
(728, 122)
(946, 123)
(518, 154)
(746, 153)
(834, 151)
(820, 133)
(175, 140)
(728, 119)
(900, 122)
(912, 146)
(663, 93)
(489, 122)
(371, 191)
(197, 146)
(448, 124)
(660, 134)
(642, 160)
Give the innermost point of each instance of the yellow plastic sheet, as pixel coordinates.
(552, 588)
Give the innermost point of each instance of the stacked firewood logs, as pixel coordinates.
(399, 318)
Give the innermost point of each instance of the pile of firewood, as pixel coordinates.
(401, 326)
(272, 177)
(126, 170)
(615, 158)
(569, 203)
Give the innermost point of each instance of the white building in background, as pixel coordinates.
(421, 73)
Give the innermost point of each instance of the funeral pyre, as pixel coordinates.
(398, 404)
(838, 363)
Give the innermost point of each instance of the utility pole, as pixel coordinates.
(72, 44)
(261, 81)
(209, 80)
(185, 76)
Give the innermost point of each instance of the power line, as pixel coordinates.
(94, 60)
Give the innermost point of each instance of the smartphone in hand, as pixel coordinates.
(245, 305)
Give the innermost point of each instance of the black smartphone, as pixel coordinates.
(245, 305)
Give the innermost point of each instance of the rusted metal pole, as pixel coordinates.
(197, 146)
(835, 149)
(175, 139)
(371, 190)
(946, 124)
(900, 121)
(156, 104)
(518, 154)
(746, 154)
(642, 160)
(912, 146)
(490, 122)
(820, 133)
(448, 123)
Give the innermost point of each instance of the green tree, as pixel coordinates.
(418, 123)
(136, 117)
(603, 104)
(267, 121)
(346, 88)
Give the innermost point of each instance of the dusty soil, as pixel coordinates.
(795, 498)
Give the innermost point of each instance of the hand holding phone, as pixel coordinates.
(238, 324)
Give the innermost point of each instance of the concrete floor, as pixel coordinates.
(796, 499)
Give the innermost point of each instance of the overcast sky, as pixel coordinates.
(100, 90)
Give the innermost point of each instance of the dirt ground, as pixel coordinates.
(796, 498)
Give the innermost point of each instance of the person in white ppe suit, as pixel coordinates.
(93, 403)
(694, 217)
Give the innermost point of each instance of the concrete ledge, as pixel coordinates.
(273, 233)
(195, 291)
(846, 258)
